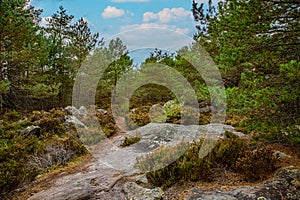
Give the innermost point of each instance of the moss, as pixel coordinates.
(131, 140)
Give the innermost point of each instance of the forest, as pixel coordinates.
(254, 43)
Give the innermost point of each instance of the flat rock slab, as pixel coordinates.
(112, 163)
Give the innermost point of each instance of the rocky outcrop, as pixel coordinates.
(284, 185)
(105, 177)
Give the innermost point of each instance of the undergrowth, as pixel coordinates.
(232, 153)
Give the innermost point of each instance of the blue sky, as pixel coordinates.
(141, 24)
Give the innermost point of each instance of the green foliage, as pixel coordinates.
(270, 103)
(138, 117)
(256, 50)
(174, 112)
(231, 153)
(24, 156)
(12, 116)
(149, 95)
(107, 123)
(39, 63)
(131, 140)
(4, 87)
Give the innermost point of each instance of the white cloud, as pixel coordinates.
(167, 15)
(44, 21)
(206, 1)
(156, 25)
(145, 26)
(183, 30)
(112, 12)
(149, 16)
(154, 35)
(122, 1)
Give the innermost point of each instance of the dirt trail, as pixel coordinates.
(88, 176)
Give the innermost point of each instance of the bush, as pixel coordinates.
(24, 156)
(12, 116)
(138, 117)
(232, 153)
(257, 165)
(131, 140)
(268, 102)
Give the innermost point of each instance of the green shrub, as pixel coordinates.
(131, 140)
(269, 103)
(24, 156)
(12, 116)
(232, 153)
(174, 112)
(138, 117)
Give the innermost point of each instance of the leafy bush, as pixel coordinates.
(268, 103)
(12, 116)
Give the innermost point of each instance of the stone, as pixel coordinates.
(102, 111)
(281, 155)
(74, 120)
(107, 175)
(283, 185)
(169, 103)
(215, 196)
(82, 111)
(71, 110)
(35, 130)
(135, 192)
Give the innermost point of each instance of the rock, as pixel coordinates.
(169, 103)
(73, 120)
(281, 155)
(141, 179)
(284, 185)
(35, 130)
(103, 112)
(207, 196)
(71, 110)
(204, 104)
(104, 177)
(82, 111)
(135, 192)
(155, 135)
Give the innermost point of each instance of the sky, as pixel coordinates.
(142, 25)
